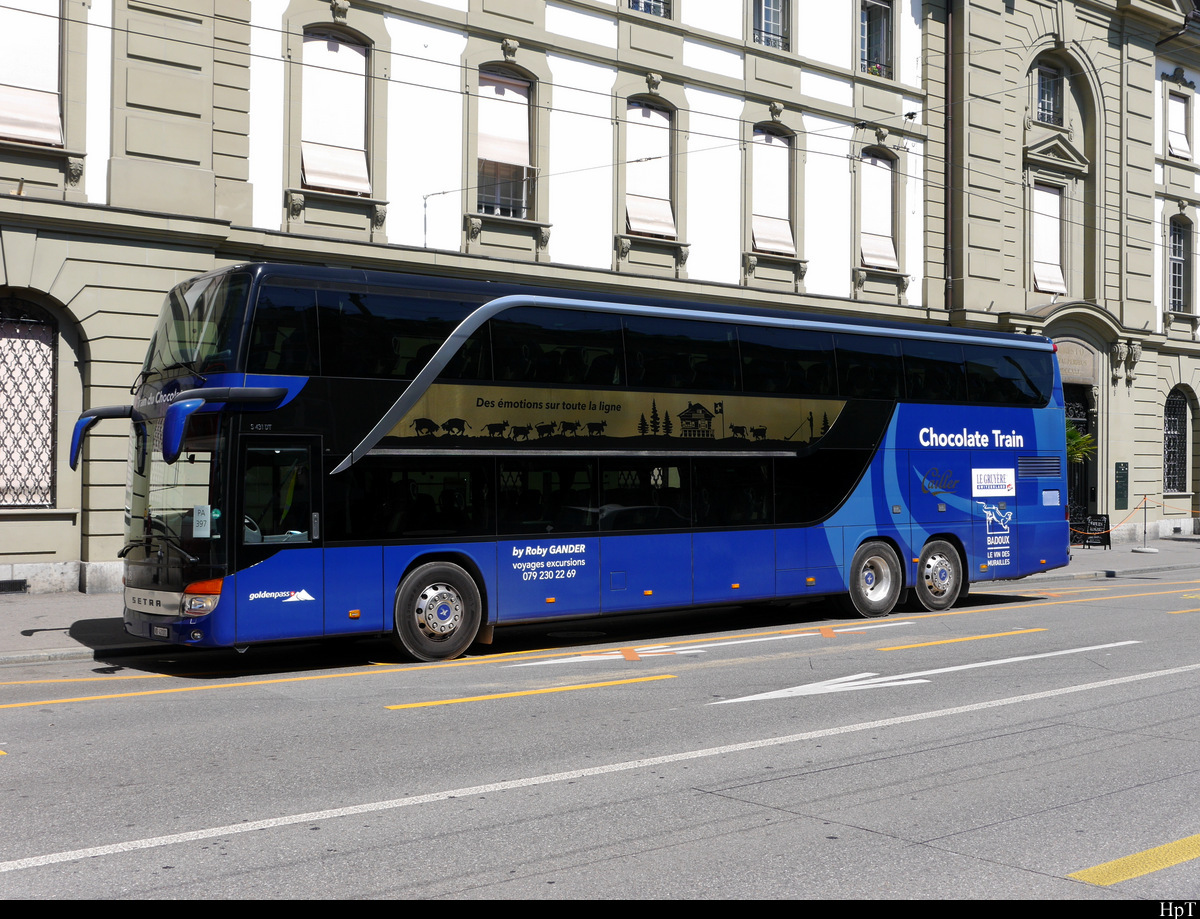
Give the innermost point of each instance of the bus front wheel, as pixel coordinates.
(438, 612)
(939, 576)
(875, 580)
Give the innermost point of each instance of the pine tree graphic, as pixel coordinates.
(653, 417)
(667, 424)
(642, 426)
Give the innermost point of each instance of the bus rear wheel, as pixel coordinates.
(875, 580)
(438, 612)
(939, 576)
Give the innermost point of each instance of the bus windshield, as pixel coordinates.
(199, 326)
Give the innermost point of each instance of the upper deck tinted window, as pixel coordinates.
(997, 376)
(934, 371)
(558, 347)
(794, 361)
(677, 354)
(868, 367)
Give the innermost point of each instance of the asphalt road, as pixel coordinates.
(1040, 742)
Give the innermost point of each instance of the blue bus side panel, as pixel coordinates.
(480, 556)
(936, 483)
(878, 509)
(809, 561)
(733, 566)
(1009, 522)
(282, 597)
(649, 571)
(354, 590)
(543, 578)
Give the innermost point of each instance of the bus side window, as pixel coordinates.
(284, 338)
(558, 347)
(680, 354)
(1001, 377)
(868, 367)
(933, 372)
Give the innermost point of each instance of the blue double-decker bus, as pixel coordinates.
(321, 452)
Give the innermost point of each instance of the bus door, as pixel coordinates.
(279, 584)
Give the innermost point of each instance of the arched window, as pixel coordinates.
(771, 202)
(649, 199)
(30, 58)
(333, 118)
(1175, 439)
(28, 343)
(877, 211)
(506, 172)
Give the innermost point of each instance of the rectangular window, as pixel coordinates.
(30, 51)
(875, 37)
(878, 243)
(772, 182)
(505, 177)
(333, 141)
(1047, 240)
(653, 7)
(648, 209)
(770, 23)
(1178, 257)
(1049, 95)
(1177, 126)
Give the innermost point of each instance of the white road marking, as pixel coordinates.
(654, 650)
(875, 681)
(235, 829)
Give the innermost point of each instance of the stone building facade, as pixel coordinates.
(740, 151)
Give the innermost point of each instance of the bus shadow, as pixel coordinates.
(353, 653)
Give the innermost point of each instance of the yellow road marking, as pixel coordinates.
(106, 678)
(950, 641)
(1140, 863)
(529, 692)
(533, 655)
(1176, 612)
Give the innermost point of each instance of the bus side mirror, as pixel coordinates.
(175, 427)
(85, 422)
(82, 426)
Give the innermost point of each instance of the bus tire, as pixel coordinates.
(438, 612)
(939, 576)
(875, 580)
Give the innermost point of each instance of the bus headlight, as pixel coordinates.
(200, 598)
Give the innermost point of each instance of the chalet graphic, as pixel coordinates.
(696, 421)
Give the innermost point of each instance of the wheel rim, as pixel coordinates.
(876, 577)
(938, 574)
(439, 611)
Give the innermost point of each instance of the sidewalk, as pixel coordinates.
(74, 626)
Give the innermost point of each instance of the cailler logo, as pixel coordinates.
(936, 482)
